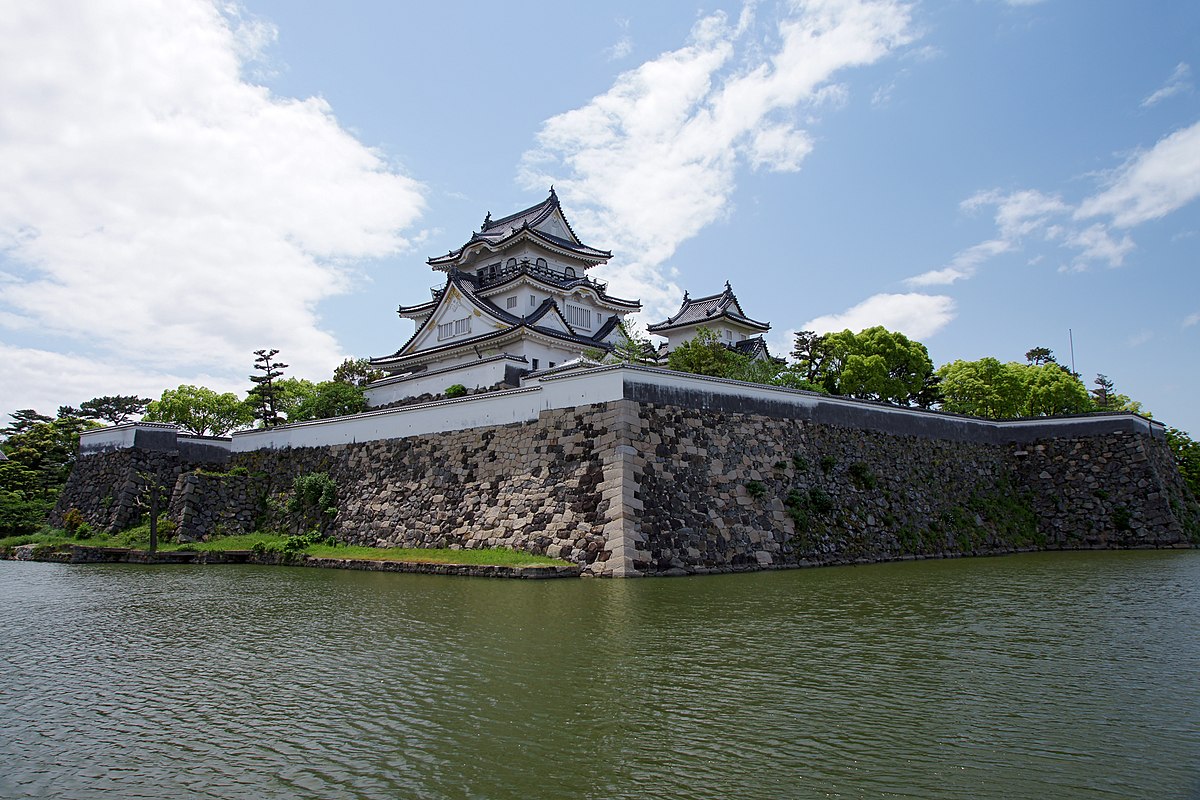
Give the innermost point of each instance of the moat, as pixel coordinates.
(1064, 675)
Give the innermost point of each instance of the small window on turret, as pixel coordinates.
(512, 262)
(511, 302)
(541, 262)
(569, 272)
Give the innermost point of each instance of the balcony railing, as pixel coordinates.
(490, 276)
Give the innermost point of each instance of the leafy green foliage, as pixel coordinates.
(200, 410)
(455, 390)
(314, 491)
(329, 399)
(704, 354)
(828, 462)
(20, 516)
(1187, 456)
(861, 475)
(357, 372)
(873, 364)
(989, 388)
(755, 489)
(114, 409)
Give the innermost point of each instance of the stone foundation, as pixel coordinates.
(679, 484)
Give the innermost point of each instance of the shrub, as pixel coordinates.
(800, 462)
(756, 489)
(314, 490)
(1122, 518)
(72, 520)
(819, 501)
(241, 471)
(861, 475)
(780, 465)
(455, 390)
(827, 464)
(83, 531)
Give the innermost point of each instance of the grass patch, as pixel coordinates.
(267, 542)
(489, 557)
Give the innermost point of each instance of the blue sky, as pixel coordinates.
(182, 183)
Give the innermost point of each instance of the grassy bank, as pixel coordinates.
(303, 545)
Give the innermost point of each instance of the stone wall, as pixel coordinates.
(720, 491)
(111, 489)
(634, 486)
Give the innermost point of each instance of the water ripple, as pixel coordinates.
(1053, 675)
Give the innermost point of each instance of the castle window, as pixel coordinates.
(541, 262)
(448, 330)
(511, 302)
(512, 262)
(532, 301)
(569, 272)
(579, 317)
(535, 363)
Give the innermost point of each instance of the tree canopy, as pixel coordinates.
(324, 400)
(200, 410)
(873, 364)
(989, 388)
(357, 371)
(114, 409)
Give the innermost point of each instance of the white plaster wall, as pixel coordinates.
(473, 375)
(496, 408)
(582, 387)
(117, 437)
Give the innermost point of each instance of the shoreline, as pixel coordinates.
(83, 554)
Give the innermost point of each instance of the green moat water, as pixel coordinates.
(1061, 675)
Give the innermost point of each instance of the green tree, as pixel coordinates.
(264, 397)
(40, 455)
(989, 388)
(874, 364)
(631, 347)
(1038, 356)
(1051, 390)
(329, 399)
(24, 419)
(704, 354)
(200, 410)
(1102, 392)
(983, 388)
(809, 355)
(114, 409)
(357, 372)
(1187, 456)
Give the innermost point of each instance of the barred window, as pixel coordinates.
(512, 302)
(579, 317)
(448, 330)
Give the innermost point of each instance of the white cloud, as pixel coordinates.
(1152, 184)
(654, 160)
(915, 315)
(624, 45)
(44, 380)
(963, 265)
(1097, 243)
(1178, 82)
(1191, 319)
(162, 212)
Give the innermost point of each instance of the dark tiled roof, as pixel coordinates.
(465, 284)
(709, 309)
(496, 232)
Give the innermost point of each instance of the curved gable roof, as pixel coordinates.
(704, 310)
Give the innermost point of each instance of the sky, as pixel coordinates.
(183, 182)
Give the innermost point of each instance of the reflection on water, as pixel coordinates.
(1040, 676)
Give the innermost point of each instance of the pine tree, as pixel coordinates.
(265, 394)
